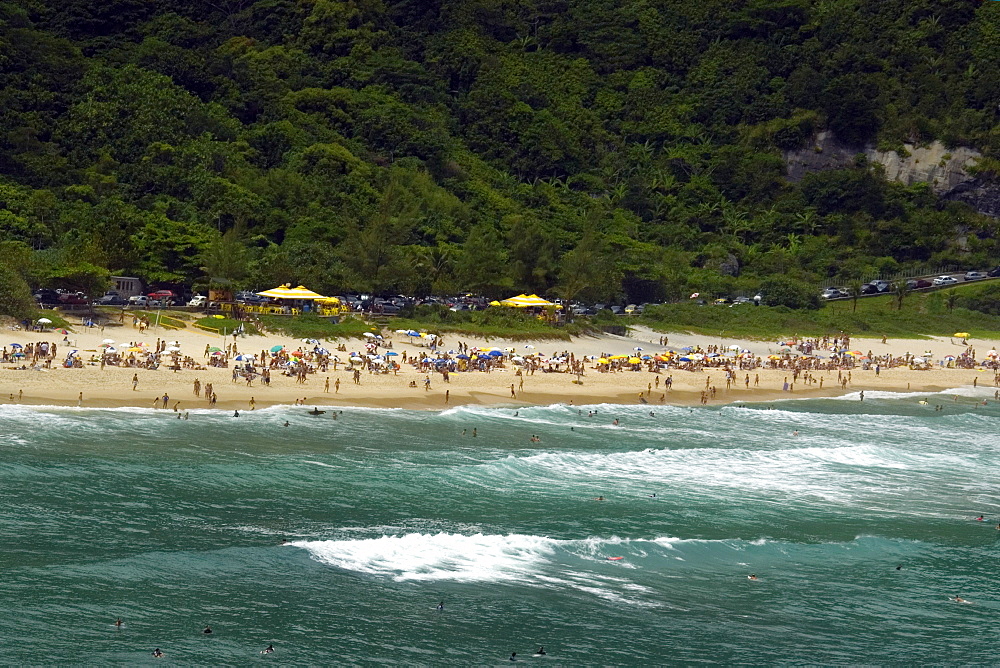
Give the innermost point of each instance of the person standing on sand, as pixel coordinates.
(197, 387)
(166, 399)
(326, 385)
(512, 394)
(135, 382)
(253, 404)
(336, 386)
(79, 400)
(447, 395)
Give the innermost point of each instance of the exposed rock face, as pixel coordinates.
(944, 169)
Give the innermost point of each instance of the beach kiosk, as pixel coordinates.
(299, 299)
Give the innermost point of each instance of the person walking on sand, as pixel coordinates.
(513, 395)
(135, 382)
(253, 404)
(447, 395)
(336, 386)
(197, 387)
(326, 385)
(79, 400)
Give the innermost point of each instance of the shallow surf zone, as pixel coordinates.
(337, 539)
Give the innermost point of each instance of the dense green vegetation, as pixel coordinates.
(576, 148)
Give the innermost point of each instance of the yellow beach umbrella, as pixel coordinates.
(634, 360)
(287, 292)
(602, 360)
(962, 335)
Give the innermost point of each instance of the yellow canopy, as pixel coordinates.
(287, 292)
(525, 301)
(962, 335)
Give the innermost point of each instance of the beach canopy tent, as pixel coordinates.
(525, 301)
(287, 292)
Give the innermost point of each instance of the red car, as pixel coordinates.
(164, 297)
(67, 298)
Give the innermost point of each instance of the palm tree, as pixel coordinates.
(900, 289)
(950, 299)
(854, 290)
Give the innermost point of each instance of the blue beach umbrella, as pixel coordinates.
(391, 353)
(462, 357)
(275, 349)
(495, 353)
(16, 345)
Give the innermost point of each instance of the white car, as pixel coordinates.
(974, 275)
(198, 300)
(138, 300)
(945, 280)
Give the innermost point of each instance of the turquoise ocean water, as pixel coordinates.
(174, 525)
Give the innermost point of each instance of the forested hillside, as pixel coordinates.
(600, 149)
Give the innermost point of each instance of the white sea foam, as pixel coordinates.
(442, 556)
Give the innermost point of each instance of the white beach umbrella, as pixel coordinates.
(108, 341)
(44, 321)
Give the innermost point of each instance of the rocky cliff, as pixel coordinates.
(946, 170)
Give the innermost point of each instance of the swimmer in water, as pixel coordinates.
(899, 568)
(208, 629)
(157, 653)
(540, 651)
(513, 656)
(959, 599)
(286, 423)
(652, 496)
(980, 518)
(752, 576)
(119, 622)
(236, 413)
(268, 650)
(441, 606)
(599, 498)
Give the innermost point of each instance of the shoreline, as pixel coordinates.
(434, 402)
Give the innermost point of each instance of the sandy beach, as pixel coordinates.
(112, 386)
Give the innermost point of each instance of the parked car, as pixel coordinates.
(974, 275)
(741, 300)
(198, 301)
(993, 273)
(617, 310)
(73, 298)
(917, 283)
(630, 309)
(46, 296)
(945, 280)
(869, 289)
(882, 286)
(138, 300)
(110, 300)
(832, 293)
